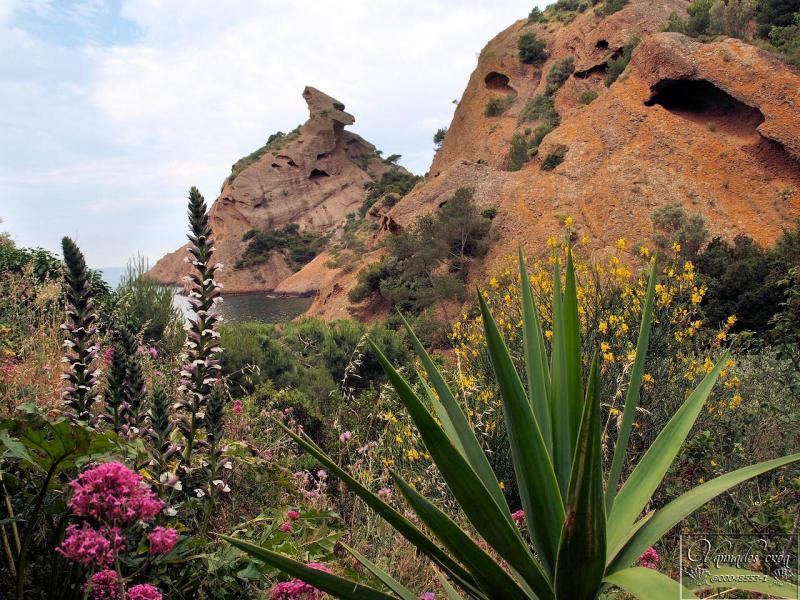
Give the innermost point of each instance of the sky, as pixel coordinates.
(111, 109)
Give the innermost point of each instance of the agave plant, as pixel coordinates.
(586, 531)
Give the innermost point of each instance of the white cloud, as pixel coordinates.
(101, 130)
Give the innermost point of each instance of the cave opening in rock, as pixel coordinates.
(497, 81)
(600, 69)
(602, 44)
(317, 174)
(703, 102)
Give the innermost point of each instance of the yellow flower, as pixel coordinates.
(548, 334)
(604, 346)
(676, 248)
(568, 221)
(732, 320)
(713, 463)
(647, 378)
(614, 412)
(502, 485)
(736, 401)
(551, 241)
(493, 282)
(585, 240)
(603, 327)
(621, 244)
(413, 455)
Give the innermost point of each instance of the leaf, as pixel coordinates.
(647, 475)
(572, 347)
(16, 449)
(475, 500)
(491, 577)
(387, 580)
(402, 525)
(767, 585)
(665, 518)
(331, 584)
(583, 539)
(538, 487)
(536, 368)
(634, 389)
(559, 394)
(648, 584)
(456, 425)
(449, 590)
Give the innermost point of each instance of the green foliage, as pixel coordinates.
(617, 65)
(44, 264)
(531, 48)
(745, 280)
(731, 17)
(536, 15)
(541, 108)
(554, 158)
(673, 226)
(395, 183)
(786, 40)
(609, 7)
(585, 531)
(559, 73)
(148, 308)
(438, 137)
(298, 248)
(497, 106)
(518, 154)
(587, 97)
(428, 263)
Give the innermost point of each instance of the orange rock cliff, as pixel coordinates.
(714, 127)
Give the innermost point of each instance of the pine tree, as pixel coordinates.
(81, 378)
(200, 370)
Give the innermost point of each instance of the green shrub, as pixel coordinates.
(609, 7)
(559, 73)
(617, 65)
(536, 15)
(274, 143)
(518, 154)
(541, 108)
(497, 106)
(298, 248)
(531, 48)
(554, 158)
(731, 18)
(587, 97)
(438, 137)
(673, 226)
(396, 182)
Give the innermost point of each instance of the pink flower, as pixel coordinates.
(112, 493)
(90, 546)
(297, 589)
(322, 474)
(108, 355)
(143, 591)
(103, 585)
(293, 515)
(162, 540)
(237, 407)
(428, 596)
(345, 437)
(385, 493)
(153, 352)
(286, 527)
(519, 517)
(649, 558)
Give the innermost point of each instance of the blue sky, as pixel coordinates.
(111, 110)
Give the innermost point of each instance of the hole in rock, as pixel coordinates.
(317, 174)
(497, 81)
(702, 102)
(602, 44)
(323, 155)
(276, 166)
(601, 68)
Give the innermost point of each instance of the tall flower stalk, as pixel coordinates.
(158, 430)
(80, 348)
(200, 372)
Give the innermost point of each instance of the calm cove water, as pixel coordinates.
(244, 307)
(256, 307)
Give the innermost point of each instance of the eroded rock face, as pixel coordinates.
(313, 177)
(715, 127)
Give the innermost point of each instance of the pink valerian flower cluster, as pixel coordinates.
(292, 515)
(111, 493)
(89, 546)
(345, 437)
(162, 540)
(518, 517)
(103, 585)
(286, 527)
(649, 558)
(237, 407)
(297, 589)
(143, 591)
